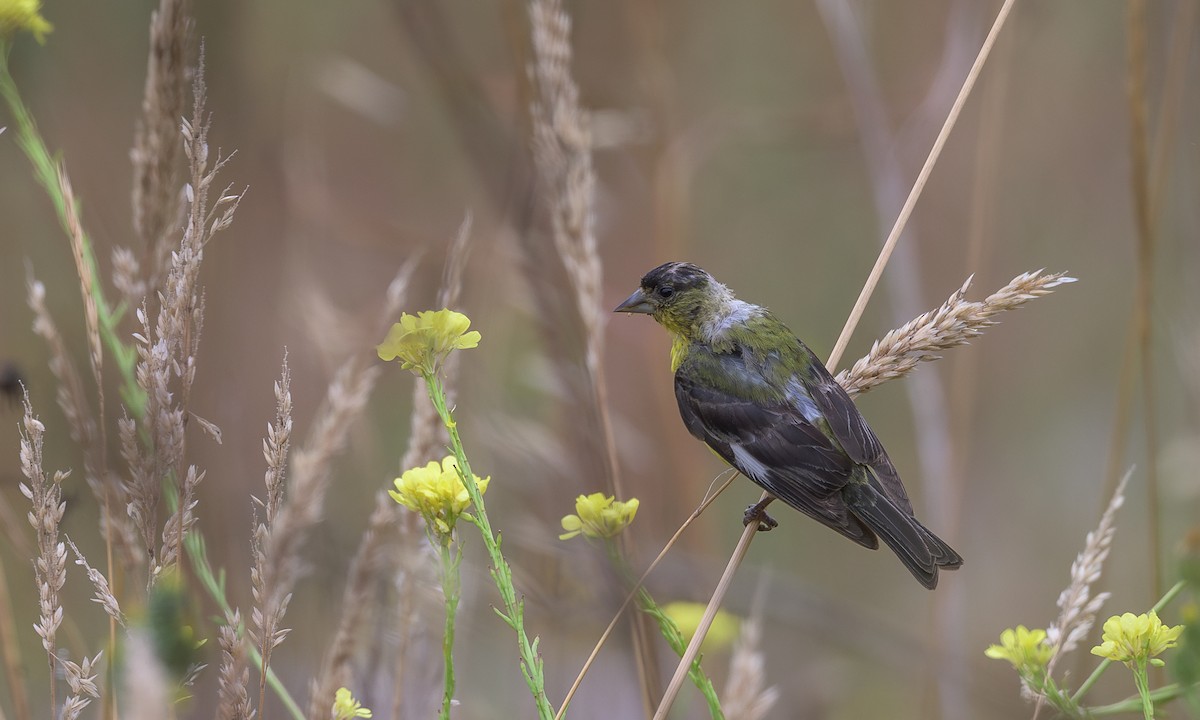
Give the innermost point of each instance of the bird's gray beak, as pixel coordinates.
(636, 303)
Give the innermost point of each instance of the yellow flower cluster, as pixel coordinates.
(437, 493)
(23, 15)
(422, 341)
(1133, 638)
(345, 707)
(1026, 649)
(687, 616)
(599, 516)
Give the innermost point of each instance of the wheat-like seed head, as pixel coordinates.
(86, 280)
(45, 496)
(746, 695)
(83, 427)
(81, 679)
(102, 592)
(1077, 608)
(276, 447)
(562, 148)
(156, 153)
(167, 344)
(180, 523)
(955, 323)
(278, 544)
(233, 678)
(70, 394)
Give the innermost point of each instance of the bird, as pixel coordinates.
(761, 400)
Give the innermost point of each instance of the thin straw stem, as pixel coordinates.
(839, 349)
(633, 591)
(860, 305)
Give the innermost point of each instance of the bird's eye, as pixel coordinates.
(665, 292)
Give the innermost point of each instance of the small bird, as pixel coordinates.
(759, 398)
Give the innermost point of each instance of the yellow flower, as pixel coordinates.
(1025, 649)
(345, 707)
(18, 15)
(422, 341)
(599, 516)
(687, 616)
(1133, 638)
(437, 493)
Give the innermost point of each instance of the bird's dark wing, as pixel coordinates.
(852, 431)
(757, 430)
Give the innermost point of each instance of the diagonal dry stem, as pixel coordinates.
(839, 348)
(633, 591)
(889, 245)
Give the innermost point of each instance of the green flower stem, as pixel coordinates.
(215, 585)
(1057, 699)
(45, 170)
(451, 582)
(1164, 694)
(1143, 688)
(1091, 679)
(514, 609)
(668, 629)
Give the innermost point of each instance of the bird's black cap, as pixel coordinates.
(680, 275)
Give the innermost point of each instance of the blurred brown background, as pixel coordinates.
(768, 142)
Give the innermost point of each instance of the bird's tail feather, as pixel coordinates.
(920, 550)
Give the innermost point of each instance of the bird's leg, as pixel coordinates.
(757, 513)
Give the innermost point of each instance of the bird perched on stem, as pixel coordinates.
(756, 395)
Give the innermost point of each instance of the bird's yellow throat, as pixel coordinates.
(679, 349)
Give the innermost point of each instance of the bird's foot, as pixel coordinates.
(757, 513)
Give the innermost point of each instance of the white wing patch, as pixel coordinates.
(799, 395)
(749, 464)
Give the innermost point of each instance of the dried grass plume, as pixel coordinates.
(955, 323)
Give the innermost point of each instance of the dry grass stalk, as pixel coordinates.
(361, 579)
(935, 152)
(157, 154)
(234, 673)
(176, 528)
(166, 366)
(278, 542)
(82, 426)
(370, 558)
(103, 593)
(163, 425)
(955, 323)
(268, 610)
(86, 286)
(82, 681)
(50, 567)
(1077, 608)
(746, 695)
(1147, 240)
(562, 149)
(141, 490)
(70, 394)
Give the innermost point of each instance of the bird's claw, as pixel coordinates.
(757, 513)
